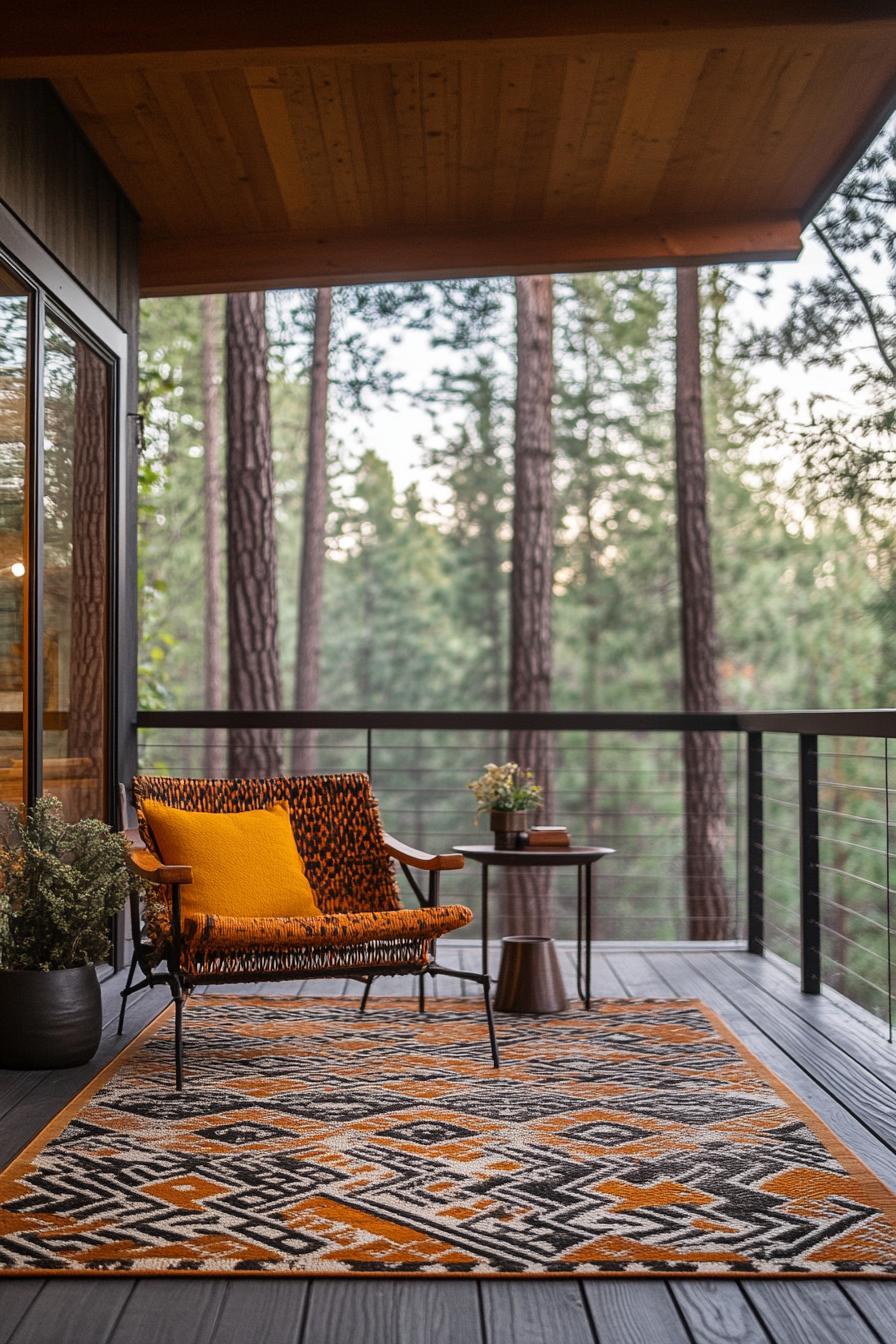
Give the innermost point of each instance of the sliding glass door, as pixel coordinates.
(57, 386)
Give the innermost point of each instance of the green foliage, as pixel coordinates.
(60, 884)
(506, 788)
(844, 318)
(170, 505)
(416, 581)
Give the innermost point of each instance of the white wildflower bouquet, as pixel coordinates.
(505, 788)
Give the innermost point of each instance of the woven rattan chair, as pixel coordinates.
(363, 933)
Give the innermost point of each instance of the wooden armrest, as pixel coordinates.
(418, 858)
(141, 861)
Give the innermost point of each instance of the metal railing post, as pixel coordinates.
(370, 754)
(889, 890)
(810, 905)
(755, 856)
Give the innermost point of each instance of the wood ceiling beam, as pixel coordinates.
(210, 264)
(57, 39)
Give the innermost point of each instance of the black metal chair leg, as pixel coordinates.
(179, 1039)
(487, 993)
(366, 994)
(421, 993)
(485, 982)
(125, 992)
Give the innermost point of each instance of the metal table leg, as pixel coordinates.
(588, 867)
(579, 931)
(484, 919)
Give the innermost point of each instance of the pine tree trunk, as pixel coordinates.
(87, 662)
(528, 902)
(254, 664)
(495, 589)
(212, 494)
(314, 518)
(494, 580)
(704, 784)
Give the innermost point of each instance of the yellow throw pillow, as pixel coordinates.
(244, 863)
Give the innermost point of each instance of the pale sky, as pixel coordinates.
(392, 432)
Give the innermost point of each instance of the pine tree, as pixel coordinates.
(314, 517)
(254, 663)
(532, 576)
(704, 784)
(212, 499)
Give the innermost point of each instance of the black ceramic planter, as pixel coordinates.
(49, 1019)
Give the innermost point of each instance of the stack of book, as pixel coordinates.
(548, 837)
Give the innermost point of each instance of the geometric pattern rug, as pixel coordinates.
(640, 1138)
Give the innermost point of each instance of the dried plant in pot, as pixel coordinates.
(507, 793)
(60, 885)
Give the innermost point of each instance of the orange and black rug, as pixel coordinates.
(640, 1138)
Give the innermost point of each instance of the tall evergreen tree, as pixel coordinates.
(254, 662)
(532, 574)
(704, 783)
(472, 464)
(212, 498)
(314, 517)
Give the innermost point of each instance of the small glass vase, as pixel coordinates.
(506, 827)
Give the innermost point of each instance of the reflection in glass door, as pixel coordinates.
(75, 571)
(14, 411)
(56, 396)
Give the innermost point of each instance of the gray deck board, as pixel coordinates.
(717, 1312)
(877, 1303)
(272, 1311)
(638, 977)
(62, 1316)
(625, 1310)
(16, 1297)
(392, 1311)
(863, 1039)
(816, 1312)
(842, 1067)
(530, 1311)
(162, 1310)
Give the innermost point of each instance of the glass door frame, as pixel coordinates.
(53, 292)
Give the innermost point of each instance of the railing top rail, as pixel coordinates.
(552, 720)
(823, 722)
(849, 722)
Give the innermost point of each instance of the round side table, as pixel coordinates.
(581, 857)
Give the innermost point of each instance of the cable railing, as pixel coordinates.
(808, 830)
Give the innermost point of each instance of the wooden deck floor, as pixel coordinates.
(838, 1063)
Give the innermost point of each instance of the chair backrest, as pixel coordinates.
(335, 819)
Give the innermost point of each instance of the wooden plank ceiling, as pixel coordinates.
(381, 142)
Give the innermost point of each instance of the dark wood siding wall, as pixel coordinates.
(52, 179)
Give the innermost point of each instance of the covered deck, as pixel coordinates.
(165, 154)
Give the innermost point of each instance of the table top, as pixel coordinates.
(549, 856)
